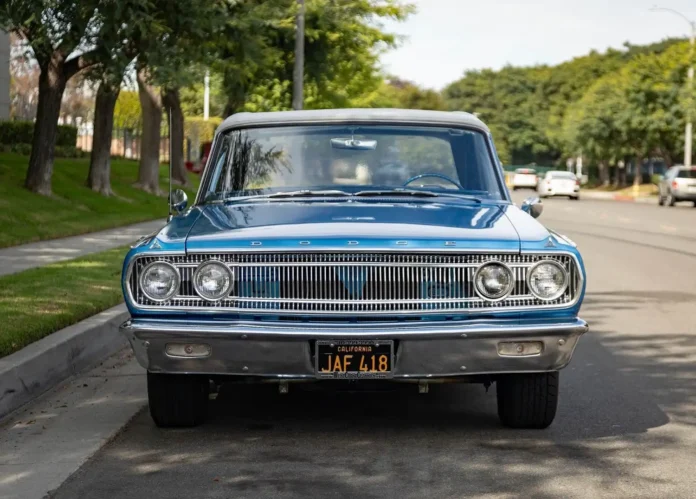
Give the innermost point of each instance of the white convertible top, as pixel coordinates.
(357, 115)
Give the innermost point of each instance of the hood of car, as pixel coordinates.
(335, 225)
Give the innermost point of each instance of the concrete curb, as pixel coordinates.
(608, 196)
(26, 374)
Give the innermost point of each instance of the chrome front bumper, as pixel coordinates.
(285, 351)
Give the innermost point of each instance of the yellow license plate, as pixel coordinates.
(354, 359)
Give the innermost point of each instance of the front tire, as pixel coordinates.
(527, 400)
(177, 400)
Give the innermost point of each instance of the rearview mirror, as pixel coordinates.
(533, 206)
(177, 202)
(354, 144)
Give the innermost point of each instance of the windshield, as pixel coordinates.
(563, 175)
(351, 159)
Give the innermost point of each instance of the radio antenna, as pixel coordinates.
(169, 202)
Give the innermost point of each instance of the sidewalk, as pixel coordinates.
(17, 258)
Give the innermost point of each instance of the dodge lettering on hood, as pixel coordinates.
(353, 245)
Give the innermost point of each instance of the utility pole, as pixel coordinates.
(688, 133)
(298, 72)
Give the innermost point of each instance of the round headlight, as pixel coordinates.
(547, 280)
(159, 281)
(493, 281)
(212, 280)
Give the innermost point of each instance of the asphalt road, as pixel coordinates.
(626, 425)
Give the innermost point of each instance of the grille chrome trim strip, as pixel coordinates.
(391, 283)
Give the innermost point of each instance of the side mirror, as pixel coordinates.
(177, 202)
(533, 206)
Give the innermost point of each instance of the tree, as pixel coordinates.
(56, 31)
(591, 126)
(527, 106)
(174, 58)
(343, 41)
(398, 93)
(113, 55)
(151, 107)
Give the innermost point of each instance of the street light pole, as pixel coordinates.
(688, 134)
(689, 130)
(206, 95)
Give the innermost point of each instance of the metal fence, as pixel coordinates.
(125, 142)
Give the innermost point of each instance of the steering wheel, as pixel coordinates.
(436, 175)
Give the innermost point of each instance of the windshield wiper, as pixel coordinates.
(414, 193)
(288, 194)
(305, 193)
(397, 192)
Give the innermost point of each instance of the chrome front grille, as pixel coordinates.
(354, 283)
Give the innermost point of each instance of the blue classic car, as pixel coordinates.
(354, 245)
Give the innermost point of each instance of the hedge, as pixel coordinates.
(60, 151)
(21, 132)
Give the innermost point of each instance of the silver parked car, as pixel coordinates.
(678, 184)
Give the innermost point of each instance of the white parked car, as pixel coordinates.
(524, 178)
(559, 183)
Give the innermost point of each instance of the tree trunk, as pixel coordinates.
(172, 103)
(638, 171)
(151, 105)
(99, 178)
(52, 80)
(603, 173)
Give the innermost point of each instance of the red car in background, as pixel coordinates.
(198, 166)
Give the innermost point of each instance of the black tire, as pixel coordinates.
(661, 200)
(177, 400)
(575, 198)
(694, 204)
(527, 400)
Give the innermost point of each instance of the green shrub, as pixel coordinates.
(67, 136)
(23, 149)
(655, 179)
(16, 132)
(22, 132)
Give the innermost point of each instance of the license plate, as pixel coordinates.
(354, 359)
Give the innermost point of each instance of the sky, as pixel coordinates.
(447, 37)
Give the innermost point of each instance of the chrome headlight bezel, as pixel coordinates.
(174, 288)
(562, 289)
(230, 274)
(507, 292)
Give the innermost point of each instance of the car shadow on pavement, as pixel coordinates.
(330, 441)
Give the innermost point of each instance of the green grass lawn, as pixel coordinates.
(38, 302)
(74, 209)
